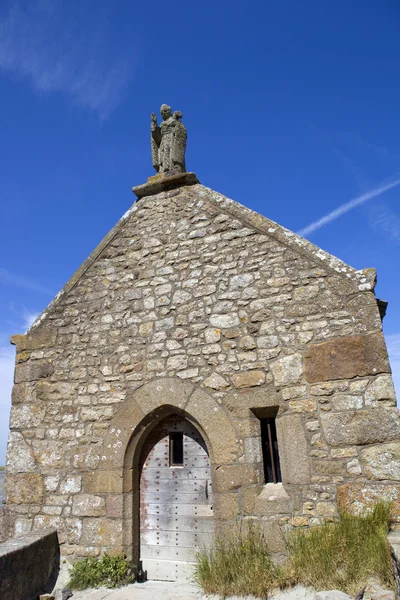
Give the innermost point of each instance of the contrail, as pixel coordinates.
(344, 208)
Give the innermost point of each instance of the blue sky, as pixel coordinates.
(292, 108)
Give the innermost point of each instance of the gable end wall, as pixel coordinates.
(192, 289)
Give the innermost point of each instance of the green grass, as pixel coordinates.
(2, 468)
(341, 555)
(108, 571)
(238, 564)
(344, 555)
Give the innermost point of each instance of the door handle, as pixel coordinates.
(206, 490)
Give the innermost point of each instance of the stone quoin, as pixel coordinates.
(203, 365)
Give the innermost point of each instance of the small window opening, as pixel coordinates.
(176, 449)
(269, 441)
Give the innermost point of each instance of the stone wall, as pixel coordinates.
(2, 526)
(26, 565)
(198, 305)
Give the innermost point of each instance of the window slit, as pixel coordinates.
(269, 441)
(176, 449)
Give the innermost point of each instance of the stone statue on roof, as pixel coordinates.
(168, 141)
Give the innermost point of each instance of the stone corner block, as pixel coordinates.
(361, 427)
(24, 488)
(381, 389)
(382, 462)
(40, 337)
(18, 340)
(347, 357)
(359, 497)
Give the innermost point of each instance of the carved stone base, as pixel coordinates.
(164, 181)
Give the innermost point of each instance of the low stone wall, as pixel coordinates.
(26, 564)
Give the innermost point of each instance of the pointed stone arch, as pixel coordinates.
(132, 424)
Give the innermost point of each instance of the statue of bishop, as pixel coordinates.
(168, 141)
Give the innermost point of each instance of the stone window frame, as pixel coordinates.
(292, 444)
(276, 498)
(263, 413)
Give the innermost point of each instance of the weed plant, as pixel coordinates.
(343, 555)
(239, 563)
(108, 571)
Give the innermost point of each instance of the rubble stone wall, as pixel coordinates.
(196, 304)
(2, 526)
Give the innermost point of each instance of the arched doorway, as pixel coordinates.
(176, 515)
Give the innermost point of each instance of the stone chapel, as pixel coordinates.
(204, 366)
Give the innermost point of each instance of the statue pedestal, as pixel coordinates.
(163, 182)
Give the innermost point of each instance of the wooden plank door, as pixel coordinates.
(175, 500)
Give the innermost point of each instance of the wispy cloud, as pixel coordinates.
(393, 346)
(8, 278)
(387, 153)
(60, 47)
(357, 172)
(347, 206)
(383, 219)
(29, 319)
